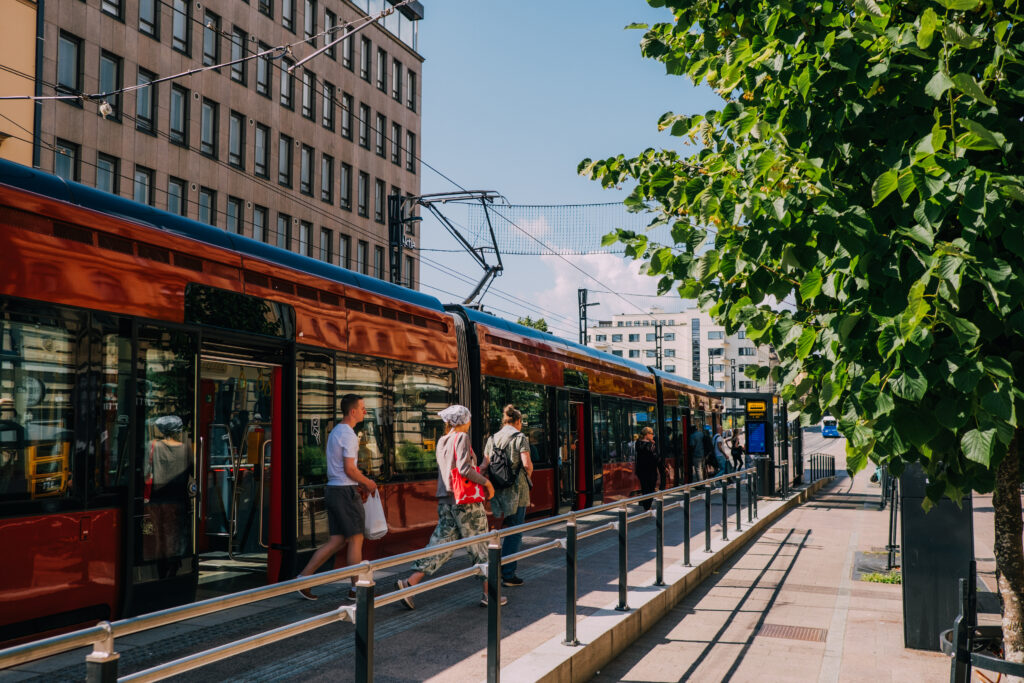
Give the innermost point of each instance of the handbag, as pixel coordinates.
(465, 491)
(375, 525)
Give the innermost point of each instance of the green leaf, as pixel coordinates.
(978, 445)
(883, 186)
(810, 287)
(764, 162)
(955, 34)
(927, 31)
(938, 84)
(997, 140)
(914, 425)
(909, 384)
(609, 239)
(635, 25)
(905, 184)
(806, 342)
(998, 404)
(856, 458)
(887, 341)
(803, 82)
(966, 84)
(869, 7)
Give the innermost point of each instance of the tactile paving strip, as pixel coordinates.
(813, 635)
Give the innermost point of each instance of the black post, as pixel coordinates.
(659, 532)
(739, 505)
(364, 630)
(623, 559)
(686, 526)
(570, 584)
(493, 611)
(725, 509)
(750, 498)
(753, 492)
(707, 518)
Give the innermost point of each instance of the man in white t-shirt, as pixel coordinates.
(345, 516)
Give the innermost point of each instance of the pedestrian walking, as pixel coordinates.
(345, 516)
(721, 452)
(454, 521)
(696, 453)
(737, 451)
(510, 468)
(648, 465)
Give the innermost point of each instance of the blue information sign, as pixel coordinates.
(756, 438)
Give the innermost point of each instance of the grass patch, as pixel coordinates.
(879, 577)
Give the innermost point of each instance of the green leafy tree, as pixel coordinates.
(857, 202)
(538, 324)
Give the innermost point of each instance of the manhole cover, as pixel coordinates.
(813, 635)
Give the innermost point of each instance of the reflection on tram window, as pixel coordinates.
(111, 357)
(367, 378)
(531, 401)
(315, 375)
(234, 311)
(39, 372)
(419, 394)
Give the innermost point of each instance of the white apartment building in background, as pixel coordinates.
(693, 347)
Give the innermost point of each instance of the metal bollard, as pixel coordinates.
(101, 664)
(570, 583)
(493, 611)
(750, 499)
(725, 509)
(756, 494)
(739, 503)
(686, 526)
(707, 518)
(364, 629)
(623, 559)
(659, 532)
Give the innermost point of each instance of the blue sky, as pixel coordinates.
(515, 94)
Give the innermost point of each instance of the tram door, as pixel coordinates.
(572, 452)
(238, 422)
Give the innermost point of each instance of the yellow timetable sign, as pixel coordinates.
(756, 407)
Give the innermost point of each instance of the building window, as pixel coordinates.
(69, 63)
(717, 352)
(634, 337)
(305, 235)
(208, 128)
(396, 80)
(179, 115)
(143, 190)
(326, 254)
(181, 26)
(364, 126)
(364, 58)
(177, 196)
(716, 334)
(410, 151)
(284, 161)
(108, 174)
(382, 127)
(378, 262)
(396, 144)
(346, 53)
(309, 22)
(363, 257)
(410, 272)
(211, 39)
(284, 231)
(327, 110)
(616, 338)
(652, 337)
(110, 81)
(346, 186)
(263, 72)
(382, 70)
(259, 223)
(670, 353)
(267, 8)
(233, 221)
(67, 160)
(330, 22)
(327, 179)
(651, 353)
(745, 351)
(287, 85)
(306, 170)
(288, 14)
(363, 195)
(741, 334)
(379, 191)
(634, 353)
(308, 99)
(346, 116)
(617, 353)
(411, 102)
(746, 384)
(261, 156)
(144, 99)
(344, 251)
(207, 206)
(236, 140)
(670, 368)
(149, 18)
(670, 336)
(240, 69)
(112, 7)
(601, 337)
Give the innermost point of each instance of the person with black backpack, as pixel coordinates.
(648, 465)
(510, 469)
(711, 466)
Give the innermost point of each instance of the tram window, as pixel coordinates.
(111, 361)
(316, 418)
(366, 377)
(532, 402)
(495, 398)
(603, 440)
(39, 382)
(419, 394)
(234, 311)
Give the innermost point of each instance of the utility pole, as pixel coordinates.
(657, 344)
(711, 369)
(581, 296)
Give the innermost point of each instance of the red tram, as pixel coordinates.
(114, 315)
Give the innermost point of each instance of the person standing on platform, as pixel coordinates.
(696, 453)
(345, 515)
(648, 465)
(508, 451)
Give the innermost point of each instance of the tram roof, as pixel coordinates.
(49, 185)
(682, 380)
(533, 333)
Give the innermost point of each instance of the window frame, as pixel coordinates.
(239, 72)
(115, 176)
(182, 198)
(327, 178)
(306, 171)
(182, 44)
(345, 186)
(75, 156)
(209, 145)
(143, 123)
(211, 38)
(264, 86)
(308, 107)
(150, 176)
(236, 158)
(118, 84)
(77, 49)
(150, 28)
(179, 136)
(264, 163)
(284, 162)
(210, 205)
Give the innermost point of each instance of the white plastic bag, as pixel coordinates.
(375, 526)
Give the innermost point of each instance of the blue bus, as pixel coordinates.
(829, 429)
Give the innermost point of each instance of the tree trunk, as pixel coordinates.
(1009, 551)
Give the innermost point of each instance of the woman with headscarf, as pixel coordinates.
(167, 473)
(454, 521)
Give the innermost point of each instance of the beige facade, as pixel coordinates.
(310, 172)
(18, 56)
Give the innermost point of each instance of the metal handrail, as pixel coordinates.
(105, 632)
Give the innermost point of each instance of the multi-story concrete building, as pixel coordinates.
(692, 346)
(304, 159)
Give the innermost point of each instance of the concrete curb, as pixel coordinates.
(607, 632)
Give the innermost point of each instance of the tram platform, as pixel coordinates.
(784, 606)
